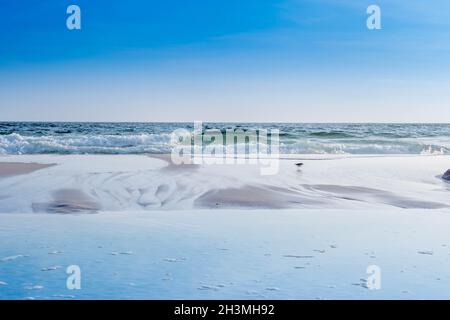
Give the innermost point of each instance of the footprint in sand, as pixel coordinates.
(272, 289)
(174, 259)
(256, 294)
(10, 258)
(56, 252)
(208, 287)
(362, 283)
(64, 296)
(51, 268)
(297, 257)
(34, 287)
(126, 253)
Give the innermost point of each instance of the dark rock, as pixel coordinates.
(299, 164)
(446, 175)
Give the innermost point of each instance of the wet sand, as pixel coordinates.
(252, 197)
(68, 201)
(169, 232)
(8, 169)
(91, 183)
(227, 254)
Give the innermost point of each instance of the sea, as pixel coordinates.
(156, 138)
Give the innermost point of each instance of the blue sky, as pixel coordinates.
(247, 60)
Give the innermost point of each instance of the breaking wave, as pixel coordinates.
(155, 138)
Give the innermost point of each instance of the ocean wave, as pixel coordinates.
(331, 134)
(80, 144)
(141, 138)
(161, 143)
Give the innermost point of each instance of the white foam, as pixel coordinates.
(158, 143)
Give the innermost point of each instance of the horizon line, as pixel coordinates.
(206, 121)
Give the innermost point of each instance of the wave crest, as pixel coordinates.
(159, 143)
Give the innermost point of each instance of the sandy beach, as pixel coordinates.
(140, 227)
(118, 183)
(8, 169)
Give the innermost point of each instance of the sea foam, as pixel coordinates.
(155, 138)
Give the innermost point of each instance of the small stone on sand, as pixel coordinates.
(446, 175)
(425, 252)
